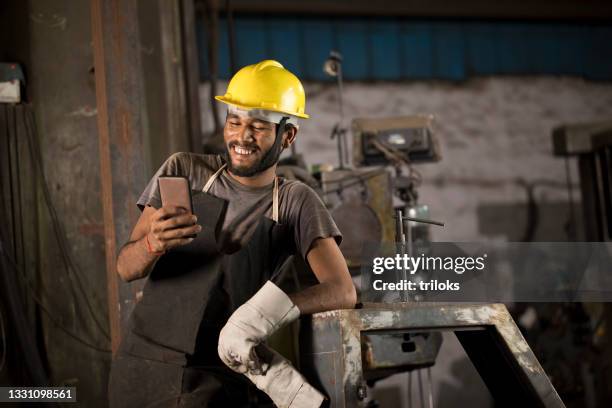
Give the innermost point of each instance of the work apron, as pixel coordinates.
(168, 356)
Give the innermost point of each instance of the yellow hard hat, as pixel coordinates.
(268, 86)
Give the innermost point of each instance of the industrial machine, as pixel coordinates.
(377, 141)
(589, 145)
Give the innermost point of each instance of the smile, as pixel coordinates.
(243, 151)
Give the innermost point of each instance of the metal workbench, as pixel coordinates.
(332, 349)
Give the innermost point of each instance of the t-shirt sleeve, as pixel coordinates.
(176, 165)
(310, 218)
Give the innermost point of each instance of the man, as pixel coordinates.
(197, 337)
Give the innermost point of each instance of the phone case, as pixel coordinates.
(175, 190)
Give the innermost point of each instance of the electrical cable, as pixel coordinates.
(360, 180)
(43, 307)
(31, 361)
(36, 157)
(390, 153)
(398, 158)
(361, 177)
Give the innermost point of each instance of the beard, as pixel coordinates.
(269, 158)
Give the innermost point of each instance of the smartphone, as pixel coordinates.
(175, 190)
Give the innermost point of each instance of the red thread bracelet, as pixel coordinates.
(150, 250)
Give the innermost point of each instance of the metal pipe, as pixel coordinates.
(421, 392)
(400, 238)
(421, 220)
(431, 404)
(409, 389)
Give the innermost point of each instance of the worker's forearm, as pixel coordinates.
(325, 296)
(134, 261)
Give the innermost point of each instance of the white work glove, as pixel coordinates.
(251, 324)
(283, 383)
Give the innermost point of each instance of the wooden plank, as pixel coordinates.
(105, 172)
(119, 97)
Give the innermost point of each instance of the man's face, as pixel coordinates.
(247, 140)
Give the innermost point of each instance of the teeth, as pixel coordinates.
(242, 150)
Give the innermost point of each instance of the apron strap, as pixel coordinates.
(212, 178)
(275, 200)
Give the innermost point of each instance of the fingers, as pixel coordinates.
(231, 360)
(264, 357)
(179, 233)
(161, 245)
(175, 221)
(253, 365)
(167, 212)
(223, 355)
(176, 242)
(240, 368)
(172, 226)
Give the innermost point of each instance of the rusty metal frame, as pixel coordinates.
(331, 350)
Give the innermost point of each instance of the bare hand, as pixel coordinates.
(171, 227)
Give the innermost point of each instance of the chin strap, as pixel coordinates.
(273, 154)
(280, 129)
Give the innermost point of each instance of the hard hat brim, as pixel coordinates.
(228, 101)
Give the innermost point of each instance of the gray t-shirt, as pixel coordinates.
(299, 206)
